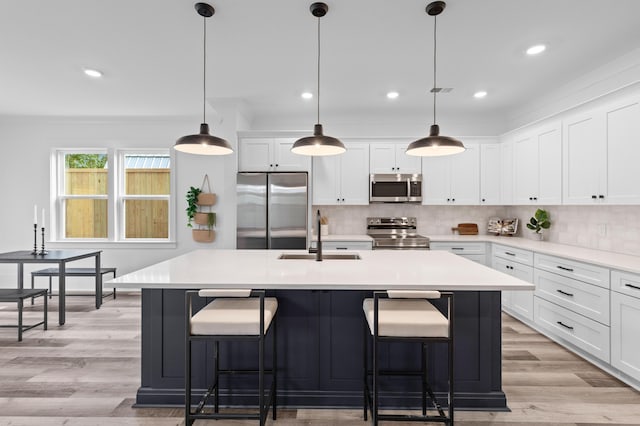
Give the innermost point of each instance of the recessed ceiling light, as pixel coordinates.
(480, 94)
(92, 73)
(393, 95)
(538, 48)
(307, 95)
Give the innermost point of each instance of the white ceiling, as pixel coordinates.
(264, 52)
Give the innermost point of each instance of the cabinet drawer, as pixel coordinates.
(518, 255)
(344, 245)
(460, 248)
(625, 283)
(591, 274)
(588, 335)
(625, 329)
(585, 299)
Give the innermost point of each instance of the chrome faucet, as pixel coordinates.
(319, 243)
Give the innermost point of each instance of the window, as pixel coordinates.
(106, 195)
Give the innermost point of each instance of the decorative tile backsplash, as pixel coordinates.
(609, 228)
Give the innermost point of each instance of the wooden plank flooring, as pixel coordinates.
(87, 373)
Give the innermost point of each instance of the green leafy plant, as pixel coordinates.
(539, 221)
(192, 204)
(211, 220)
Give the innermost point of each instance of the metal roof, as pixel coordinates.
(147, 162)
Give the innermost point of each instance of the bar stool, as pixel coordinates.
(233, 314)
(407, 316)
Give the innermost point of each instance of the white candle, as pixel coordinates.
(35, 214)
(43, 218)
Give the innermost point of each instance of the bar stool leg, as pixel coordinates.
(261, 378)
(365, 395)
(424, 379)
(374, 408)
(275, 369)
(216, 377)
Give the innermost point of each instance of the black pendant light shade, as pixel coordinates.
(203, 143)
(435, 145)
(318, 144)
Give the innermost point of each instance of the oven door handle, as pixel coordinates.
(408, 189)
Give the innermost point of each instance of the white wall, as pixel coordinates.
(24, 173)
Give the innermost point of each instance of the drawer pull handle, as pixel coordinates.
(564, 268)
(509, 253)
(457, 248)
(633, 286)
(565, 293)
(342, 248)
(565, 325)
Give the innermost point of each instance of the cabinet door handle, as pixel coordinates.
(565, 325)
(483, 200)
(564, 268)
(594, 197)
(270, 165)
(277, 165)
(338, 199)
(632, 286)
(448, 199)
(565, 293)
(530, 198)
(457, 248)
(343, 200)
(534, 198)
(453, 199)
(600, 196)
(509, 253)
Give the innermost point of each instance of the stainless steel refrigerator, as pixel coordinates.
(272, 210)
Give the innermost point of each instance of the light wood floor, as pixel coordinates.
(87, 372)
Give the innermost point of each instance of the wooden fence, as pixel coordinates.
(88, 218)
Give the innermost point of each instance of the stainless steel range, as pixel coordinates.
(397, 233)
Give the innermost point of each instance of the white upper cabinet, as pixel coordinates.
(537, 165)
(623, 152)
(600, 154)
(490, 174)
(452, 179)
(506, 172)
(270, 155)
(391, 158)
(342, 179)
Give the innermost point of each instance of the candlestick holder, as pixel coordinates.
(43, 251)
(35, 239)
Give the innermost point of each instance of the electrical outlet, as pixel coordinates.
(602, 229)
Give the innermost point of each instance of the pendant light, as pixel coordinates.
(318, 144)
(203, 143)
(434, 144)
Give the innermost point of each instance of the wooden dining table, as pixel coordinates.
(61, 258)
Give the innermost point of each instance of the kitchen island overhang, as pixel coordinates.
(321, 324)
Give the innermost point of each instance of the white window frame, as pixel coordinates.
(121, 196)
(115, 200)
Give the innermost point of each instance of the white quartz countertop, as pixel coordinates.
(606, 259)
(376, 270)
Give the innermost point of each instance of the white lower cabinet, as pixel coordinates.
(582, 332)
(585, 299)
(517, 302)
(625, 323)
(475, 251)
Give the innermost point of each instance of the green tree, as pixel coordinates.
(85, 161)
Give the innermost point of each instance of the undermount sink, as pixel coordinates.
(330, 256)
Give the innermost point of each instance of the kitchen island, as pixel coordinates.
(320, 324)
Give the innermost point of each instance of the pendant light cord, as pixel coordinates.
(435, 20)
(318, 82)
(204, 67)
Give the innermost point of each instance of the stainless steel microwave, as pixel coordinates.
(395, 188)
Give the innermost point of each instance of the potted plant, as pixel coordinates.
(206, 234)
(192, 204)
(539, 221)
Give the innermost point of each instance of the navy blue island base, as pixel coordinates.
(320, 337)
